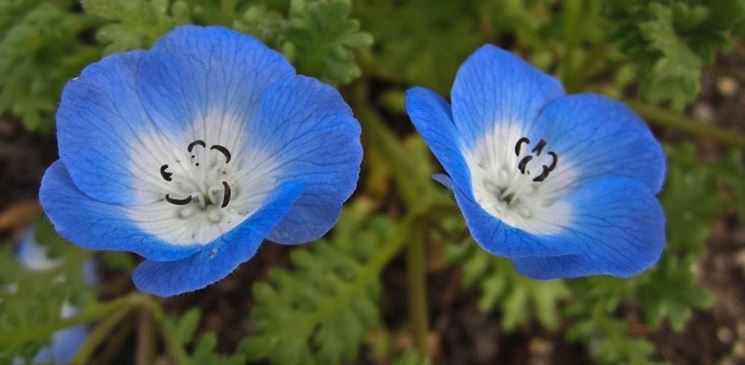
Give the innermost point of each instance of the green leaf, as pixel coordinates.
(672, 40)
(319, 311)
(40, 49)
(33, 299)
(518, 299)
(134, 24)
(321, 39)
(204, 353)
(411, 358)
(183, 327)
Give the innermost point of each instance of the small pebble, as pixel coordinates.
(741, 330)
(725, 335)
(703, 112)
(740, 258)
(727, 86)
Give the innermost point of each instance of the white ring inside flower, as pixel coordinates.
(198, 190)
(520, 180)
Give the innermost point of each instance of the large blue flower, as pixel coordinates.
(193, 152)
(563, 185)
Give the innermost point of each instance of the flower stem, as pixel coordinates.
(417, 284)
(98, 335)
(112, 313)
(687, 125)
(145, 339)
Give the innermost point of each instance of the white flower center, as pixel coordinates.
(196, 192)
(521, 180)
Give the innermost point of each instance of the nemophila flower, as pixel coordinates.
(192, 152)
(64, 344)
(563, 185)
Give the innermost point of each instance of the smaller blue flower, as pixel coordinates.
(565, 186)
(64, 344)
(191, 153)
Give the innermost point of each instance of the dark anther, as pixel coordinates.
(543, 174)
(554, 161)
(223, 150)
(523, 163)
(519, 145)
(197, 142)
(226, 194)
(165, 174)
(539, 147)
(185, 201)
(548, 169)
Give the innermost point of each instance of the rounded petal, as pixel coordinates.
(310, 131)
(96, 225)
(221, 257)
(618, 226)
(501, 239)
(196, 79)
(431, 116)
(495, 86)
(100, 129)
(603, 138)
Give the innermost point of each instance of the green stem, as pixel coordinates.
(687, 125)
(420, 197)
(174, 346)
(145, 339)
(114, 311)
(98, 335)
(90, 314)
(572, 11)
(417, 285)
(413, 191)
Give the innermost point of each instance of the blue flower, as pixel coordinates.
(193, 152)
(563, 185)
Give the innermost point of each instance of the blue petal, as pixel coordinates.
(431, 116)
(308, 128)
(221, 257)
(603, 138)
(495, 86)
(500, 239)
(619, 227)
(193, 71)
(96, 225)
(98, 119)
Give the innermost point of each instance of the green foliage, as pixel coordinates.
(40, 49)
(33, 299)
(319, 311)
(411, 358)
(317, 36)
(428, 46)
(45, 43)
(135, 24)
(672, 39)
(204, 353)
(517, 298)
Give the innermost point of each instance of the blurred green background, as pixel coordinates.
(399, 281)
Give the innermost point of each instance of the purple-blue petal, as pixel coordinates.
(218, 259)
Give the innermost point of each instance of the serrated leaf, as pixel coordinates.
(204, 353)
(320, 311)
